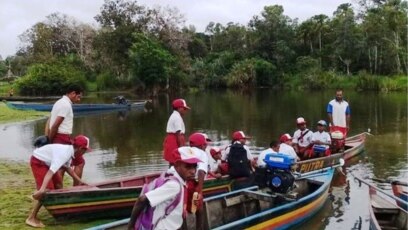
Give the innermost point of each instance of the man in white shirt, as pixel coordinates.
(59, 126)
(321, 140)
(45, 162)
(175, 130)
(302, 138)
(339, 113)
(286, 146)
(273, 148)
(184, 169)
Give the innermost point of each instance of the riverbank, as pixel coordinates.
(8, 115)
(16, 185)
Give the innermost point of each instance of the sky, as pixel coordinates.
(16, 16)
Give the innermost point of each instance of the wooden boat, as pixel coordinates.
(254, 208)
(115, 198)
(385, 214)
(77, 108)
(400, 190)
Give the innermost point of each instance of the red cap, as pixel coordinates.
(300, 121)
(215, 150)
(198, 139)
(82, 141)
(285, 137)
(186, 155)
(180, 103)
(239, 135)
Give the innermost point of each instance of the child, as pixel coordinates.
(321, 140)
(184, 168)
(286, 146)
(45, 162)
(273, 148)
(302, 139)
(214, 162)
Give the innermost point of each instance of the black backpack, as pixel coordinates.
(238, 163)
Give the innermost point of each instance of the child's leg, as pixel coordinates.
(32, 219)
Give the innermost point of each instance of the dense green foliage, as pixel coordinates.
(137, 47)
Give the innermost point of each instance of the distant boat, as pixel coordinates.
(77, 108)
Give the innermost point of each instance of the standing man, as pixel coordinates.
(339, 113)
(59, 126)
(302, 138)
(175, 130)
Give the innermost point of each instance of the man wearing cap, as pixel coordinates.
(302, 138)
(198, 144)
(59, 126)
(321, 140)
(175, 130)
(339, 114)
(45, 162)
(184, 169)
(286, 146)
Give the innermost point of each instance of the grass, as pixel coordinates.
(8, 115)
(16, 186)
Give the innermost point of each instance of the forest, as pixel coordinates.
(133, 47)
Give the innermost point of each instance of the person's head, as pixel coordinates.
(185, 162)
(240, 136)
(321, 125)
(285, 138)
(199, 140)
(301, 123)
(74, 92)
(274, 145)
(181, 106)
(215, 153)
(81, 145)
(339, 95)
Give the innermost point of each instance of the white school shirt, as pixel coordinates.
(63, 108)
(339, 110)
(55, 155)
(287, 149)
(202, 155)
(161, 197)
(175, 123)
(261, 157)
(212, 163)
(306, 139)
(322, 136)
(249, 154)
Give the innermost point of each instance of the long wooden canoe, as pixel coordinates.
(253, 208)
(385, 214)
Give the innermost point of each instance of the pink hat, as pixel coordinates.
(186, 155)
(180, 103)
(285, 137)
(215, 150)
(300, 121)
(239, 135)
(198, 139)
(82, 141)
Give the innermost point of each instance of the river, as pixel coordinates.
(130, 143)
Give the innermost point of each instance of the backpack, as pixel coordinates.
(145, 219)
(238, 163)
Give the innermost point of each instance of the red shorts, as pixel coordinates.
(65, 139)
(169, 145)
(191, 188)
(39, 169)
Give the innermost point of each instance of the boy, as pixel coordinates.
(184, 168)
(45, 162)
(273, 148)
(286, 146)
(321, 140)
(302, 139)
(214, 162)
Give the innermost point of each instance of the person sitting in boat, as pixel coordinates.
(239, 157)
(45, 162)
(214, 162)
(321, 140)
(273, 148)
(286, 146)
(302, 139)
(162, 197)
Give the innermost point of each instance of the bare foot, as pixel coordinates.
(34, 223)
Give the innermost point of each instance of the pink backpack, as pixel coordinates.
(145, 220)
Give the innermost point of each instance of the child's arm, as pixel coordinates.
(75, 176)
(140, 204)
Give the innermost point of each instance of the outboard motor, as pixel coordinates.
(279, 177)
(121, 100)
(338, 141)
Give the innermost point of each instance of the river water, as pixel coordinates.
(130, 143)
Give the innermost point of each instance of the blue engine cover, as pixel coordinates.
(279, 161)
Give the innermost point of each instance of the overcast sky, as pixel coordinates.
(16, 16)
